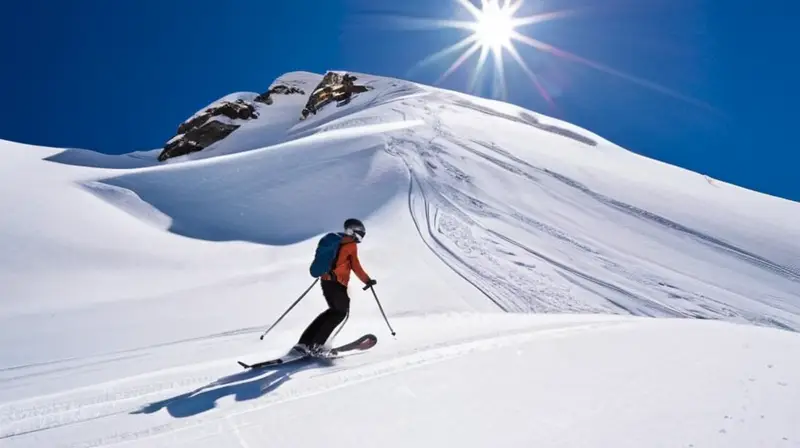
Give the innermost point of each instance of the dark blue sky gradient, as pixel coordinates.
(119, 76)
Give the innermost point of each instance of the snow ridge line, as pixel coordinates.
(216, 420)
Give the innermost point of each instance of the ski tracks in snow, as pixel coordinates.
(448, 219)
(147, 405)
(523, 263)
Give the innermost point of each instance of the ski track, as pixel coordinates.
(786, 272)
(443, 219)
(114, 356)
(91, 404)
(451, 222)
(79, 366)
(447, 219)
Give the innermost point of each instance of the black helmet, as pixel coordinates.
(355, 228)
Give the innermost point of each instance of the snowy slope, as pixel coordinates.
(590, 227)
(448, 380)
(126, 282)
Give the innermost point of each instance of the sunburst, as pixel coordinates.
(493, 31)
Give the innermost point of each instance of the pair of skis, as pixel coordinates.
(365, 342)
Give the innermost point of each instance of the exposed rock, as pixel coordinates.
(265, 98)
(201, 131)
(197, 139)
(286, 90)
(280, 89)
(239, 109)
(333, 87)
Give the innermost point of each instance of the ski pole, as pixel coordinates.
(347, 316)
(381, 307)
(290, 308)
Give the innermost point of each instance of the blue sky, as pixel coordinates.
(118, 76)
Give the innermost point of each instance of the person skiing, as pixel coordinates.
(334, 289)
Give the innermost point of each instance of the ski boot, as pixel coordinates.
(314, 350)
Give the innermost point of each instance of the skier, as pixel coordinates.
(334, 288)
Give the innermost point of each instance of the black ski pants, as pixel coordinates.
(320, 329)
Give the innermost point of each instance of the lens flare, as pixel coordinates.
(493, 31)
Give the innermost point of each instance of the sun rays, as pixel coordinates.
(494, 31)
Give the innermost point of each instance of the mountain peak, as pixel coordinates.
(223, 117)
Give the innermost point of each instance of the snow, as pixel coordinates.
(547, 287)
(447, 380)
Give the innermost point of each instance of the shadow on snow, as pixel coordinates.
(244, 386)
(278, 200)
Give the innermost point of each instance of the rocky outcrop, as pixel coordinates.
(197, 139)
(240, 109)
(202, 130)
(280, 89)
(221, 119)
(333, 87)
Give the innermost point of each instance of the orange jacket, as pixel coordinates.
(346, 261)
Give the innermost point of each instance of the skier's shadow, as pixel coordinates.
(247, 385)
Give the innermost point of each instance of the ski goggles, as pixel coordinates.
(357, 233)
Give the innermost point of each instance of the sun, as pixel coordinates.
(494, 30)
(494, 27)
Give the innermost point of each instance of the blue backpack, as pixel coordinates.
(326, 254)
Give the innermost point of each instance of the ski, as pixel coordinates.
(285, 359)
(365, 342)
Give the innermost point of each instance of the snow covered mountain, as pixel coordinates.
(507, 245)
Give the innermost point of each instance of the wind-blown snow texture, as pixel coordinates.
(130, 287)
